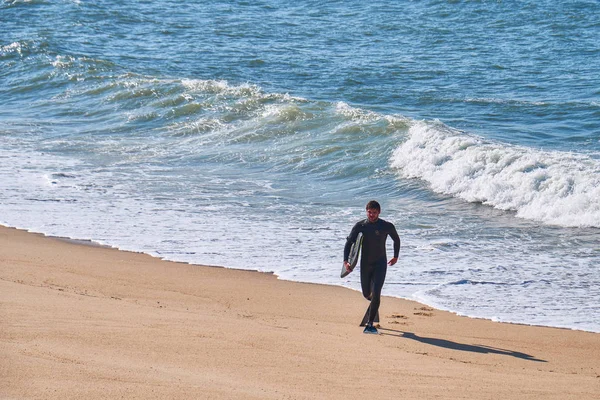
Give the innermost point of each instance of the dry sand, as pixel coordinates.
(85, 322)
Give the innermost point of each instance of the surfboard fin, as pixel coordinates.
(366, 317)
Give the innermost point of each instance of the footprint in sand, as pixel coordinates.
(424, 312)
(395, 318)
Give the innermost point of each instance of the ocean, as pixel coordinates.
(251, 135)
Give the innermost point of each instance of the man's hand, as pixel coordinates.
(393, 261)
(347, 265)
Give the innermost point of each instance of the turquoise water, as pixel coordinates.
(251, 134)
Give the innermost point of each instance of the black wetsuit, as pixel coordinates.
(373, 259)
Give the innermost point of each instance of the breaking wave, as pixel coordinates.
(554, 187)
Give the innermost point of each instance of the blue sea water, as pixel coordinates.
(251, 135)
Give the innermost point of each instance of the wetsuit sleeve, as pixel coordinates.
(396, 239)
(351, 239)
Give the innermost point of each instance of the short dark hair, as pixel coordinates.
(373, 205)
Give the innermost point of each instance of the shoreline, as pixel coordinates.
(92, 243)
(80, 320)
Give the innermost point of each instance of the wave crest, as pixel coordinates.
(557, 188)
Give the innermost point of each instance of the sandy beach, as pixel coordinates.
(87, 322)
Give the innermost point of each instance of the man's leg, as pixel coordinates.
(378, 278)
(366, 280)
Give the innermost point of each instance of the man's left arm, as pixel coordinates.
(396, 238)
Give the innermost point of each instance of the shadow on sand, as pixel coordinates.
(458, 346)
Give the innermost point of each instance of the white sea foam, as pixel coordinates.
(244, 90)
(558, 188)
(348, 111)
(13, 47)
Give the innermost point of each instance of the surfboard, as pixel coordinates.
(353, 257)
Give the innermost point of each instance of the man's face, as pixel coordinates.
(372, 214)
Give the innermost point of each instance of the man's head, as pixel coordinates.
(373, 210)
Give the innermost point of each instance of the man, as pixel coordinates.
(373, 260)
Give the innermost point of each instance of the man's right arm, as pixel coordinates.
(349, 240)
